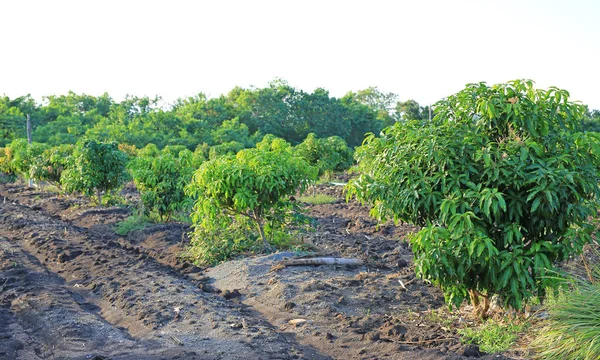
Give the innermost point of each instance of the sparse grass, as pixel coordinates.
(52, 188)
(439, 316)
(132, 223)
(495, 336)
(317, 199)
(572, 330)
(326, 177)
(182, 217)
(110, 198)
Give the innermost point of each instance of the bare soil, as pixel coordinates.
(71, 288)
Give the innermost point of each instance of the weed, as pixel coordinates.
(495, 336)
(110, 198)
(445, 319)
(132, 223)
(317, 199)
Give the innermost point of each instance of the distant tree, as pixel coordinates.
(228, 148)
(381, 103)
(326, 154)
(12, 117)
(232, 130)
(411, 110)
(319, 113)
(591, 120)
(359, 119)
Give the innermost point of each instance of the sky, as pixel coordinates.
(423, 49)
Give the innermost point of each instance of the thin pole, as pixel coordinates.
(29, 142)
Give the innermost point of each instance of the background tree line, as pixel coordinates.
(242, 116)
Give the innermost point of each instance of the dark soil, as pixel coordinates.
(71, 288)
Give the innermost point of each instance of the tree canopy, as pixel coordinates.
(501, 181)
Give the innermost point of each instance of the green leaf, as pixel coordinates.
(535, 205)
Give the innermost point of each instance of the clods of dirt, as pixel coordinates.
(71, 288)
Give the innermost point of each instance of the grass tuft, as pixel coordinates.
(494, 336)
(573, 327)
(318, 199)
(133, 223)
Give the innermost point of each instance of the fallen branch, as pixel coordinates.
(321, 261)
(176, 340)
(404, 285)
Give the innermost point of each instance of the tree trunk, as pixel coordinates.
(479, 309)
(30, 181)
(261, 231)
(99, 194)
(474, 298)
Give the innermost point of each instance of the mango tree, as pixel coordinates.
(50, 164)
(95, 168)
(19, 156)
(161, 181)
(501, 182)
(327, 154)
(252, 188)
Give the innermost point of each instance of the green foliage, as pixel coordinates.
(232, 131)
(50, 164)
(243, 116)
(200, 155)
(161, 181)
(228, 148)
(591, 121)
(411, 110)
(13, 117)
(572, 331)
(499, 180)
(326, 154)
(495, 336)
(96, 167)
(129, 150)
(244, 198)
(150, 150)
(174, 150)
(19, 157)
(6, 175)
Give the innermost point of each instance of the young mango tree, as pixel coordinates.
(501, 182)
(161, 181)
(327, 154)
(19, 157)
(95, 168)
(50, 164)
(250, 189)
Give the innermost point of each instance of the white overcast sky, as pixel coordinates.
(422, 50)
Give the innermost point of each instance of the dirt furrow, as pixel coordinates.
(162, 242)
(40, 313)
(138, 296)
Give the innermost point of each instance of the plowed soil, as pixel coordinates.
(71, 288)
